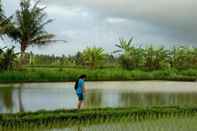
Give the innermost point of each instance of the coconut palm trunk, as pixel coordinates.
(23, 49)
(21, 107)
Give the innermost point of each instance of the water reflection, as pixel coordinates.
(6, 102)
(147, 99)
(11, 98)
(51, 96)
(79, 128)
(21, 108)
(94, 98)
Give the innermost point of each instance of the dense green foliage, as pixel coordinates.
(8, 59)
(88, 116)
(130, 57)
(92, 57)
(80, 59)
(149, 58)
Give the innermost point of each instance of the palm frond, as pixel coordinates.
(130, 41)
(42, 39)
(117, 51)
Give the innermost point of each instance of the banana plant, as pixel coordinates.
(156, 58)
(124, 45)
(93, 57)
(131, 57)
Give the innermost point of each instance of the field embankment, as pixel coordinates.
(108, 74)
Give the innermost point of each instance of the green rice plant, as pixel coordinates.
(70, 118)
(113, 74)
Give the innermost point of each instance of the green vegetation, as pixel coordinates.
(129, 62)
(28, 26)
(92, 57)
(163, 124)
(108, 74)
(130, 57)
(4, 21)
(8, 59)
(91, 116)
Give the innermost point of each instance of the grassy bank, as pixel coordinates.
(62, 118)
(111, 74)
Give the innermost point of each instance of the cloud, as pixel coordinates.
(174, 14)
(64, 12)
(115, 20)
(102, 22)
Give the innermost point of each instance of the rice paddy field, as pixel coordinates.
(108, 119)
(45, 74)
(109, 106)
(165, 124)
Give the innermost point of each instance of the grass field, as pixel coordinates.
(109, 74)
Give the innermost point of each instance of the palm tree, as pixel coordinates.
(93, 57)
(1, 9)
(28, 27)
(8, 59)
(1, 51)
(1, 15)
(4, 21)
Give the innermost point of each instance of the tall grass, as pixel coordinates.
(109, 74)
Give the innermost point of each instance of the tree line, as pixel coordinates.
(127, 56)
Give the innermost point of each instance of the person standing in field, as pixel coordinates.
(80, 90)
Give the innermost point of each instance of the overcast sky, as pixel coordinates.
(87, 23)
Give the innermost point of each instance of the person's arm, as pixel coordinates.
(84, 88)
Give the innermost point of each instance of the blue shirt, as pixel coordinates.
(80, 87)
